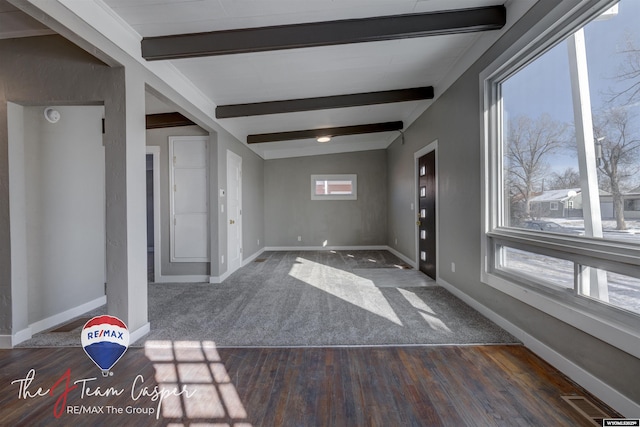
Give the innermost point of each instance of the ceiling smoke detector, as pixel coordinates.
(51, 114)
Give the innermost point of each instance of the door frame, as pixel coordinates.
(433, 146)
(231, 155)
(157, 252)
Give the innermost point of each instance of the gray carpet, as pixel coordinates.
(319, 298)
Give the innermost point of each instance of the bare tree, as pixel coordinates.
(570, 178)
(529, 144)
(619, 143)
(628, 73)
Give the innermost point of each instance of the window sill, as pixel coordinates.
(612, 325)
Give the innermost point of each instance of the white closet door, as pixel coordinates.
(189, 202)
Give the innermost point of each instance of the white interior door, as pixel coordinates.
(189, 199)
(234, 211)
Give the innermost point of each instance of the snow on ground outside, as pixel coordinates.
(624, 291)
(632, 232)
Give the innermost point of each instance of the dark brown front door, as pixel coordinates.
(427, 214)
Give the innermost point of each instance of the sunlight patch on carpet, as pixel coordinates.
(425, 311)
(346, 286)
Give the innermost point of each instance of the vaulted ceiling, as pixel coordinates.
(282, 72)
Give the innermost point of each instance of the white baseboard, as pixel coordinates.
(252, 257)
(6, 341)
(403, 257)
(326, 248)
(221, 278)
(597, 387)
(140, 332)
(67, 315)
(182, 279)
(23, 335)
(10, 341)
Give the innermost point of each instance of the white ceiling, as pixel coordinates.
(162, 17)
(307, 72)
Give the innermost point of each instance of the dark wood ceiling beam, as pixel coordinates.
(333, 131)
(247, 40)
(323, 102)
(166, 120)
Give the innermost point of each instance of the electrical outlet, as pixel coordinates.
(258, 242)
(396, 241)
(453, 267)
(299, 238)
(222, 259)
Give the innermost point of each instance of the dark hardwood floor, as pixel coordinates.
(498, 385)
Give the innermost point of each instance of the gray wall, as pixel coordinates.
(65, 209)
(454, 120)
(47, 71)
(290, 212)
(160, 138)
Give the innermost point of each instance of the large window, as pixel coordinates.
(555, 146)
(563, 163)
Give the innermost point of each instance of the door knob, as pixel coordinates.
(419, 223)
(231, 221)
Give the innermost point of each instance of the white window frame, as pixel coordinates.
(610, 324)
(335, 177)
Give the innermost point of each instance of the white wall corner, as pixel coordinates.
(139, 333)
(6, 341)
(10, 341)
(226, 274)
(221, 278)
(22, 336)
(251, 258)
(594, 385)
(403, 257)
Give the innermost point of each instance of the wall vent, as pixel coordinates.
(587, 409)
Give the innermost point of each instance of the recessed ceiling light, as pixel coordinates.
(323, 139)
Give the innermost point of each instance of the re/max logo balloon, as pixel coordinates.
(105, 333)
(105, 339)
